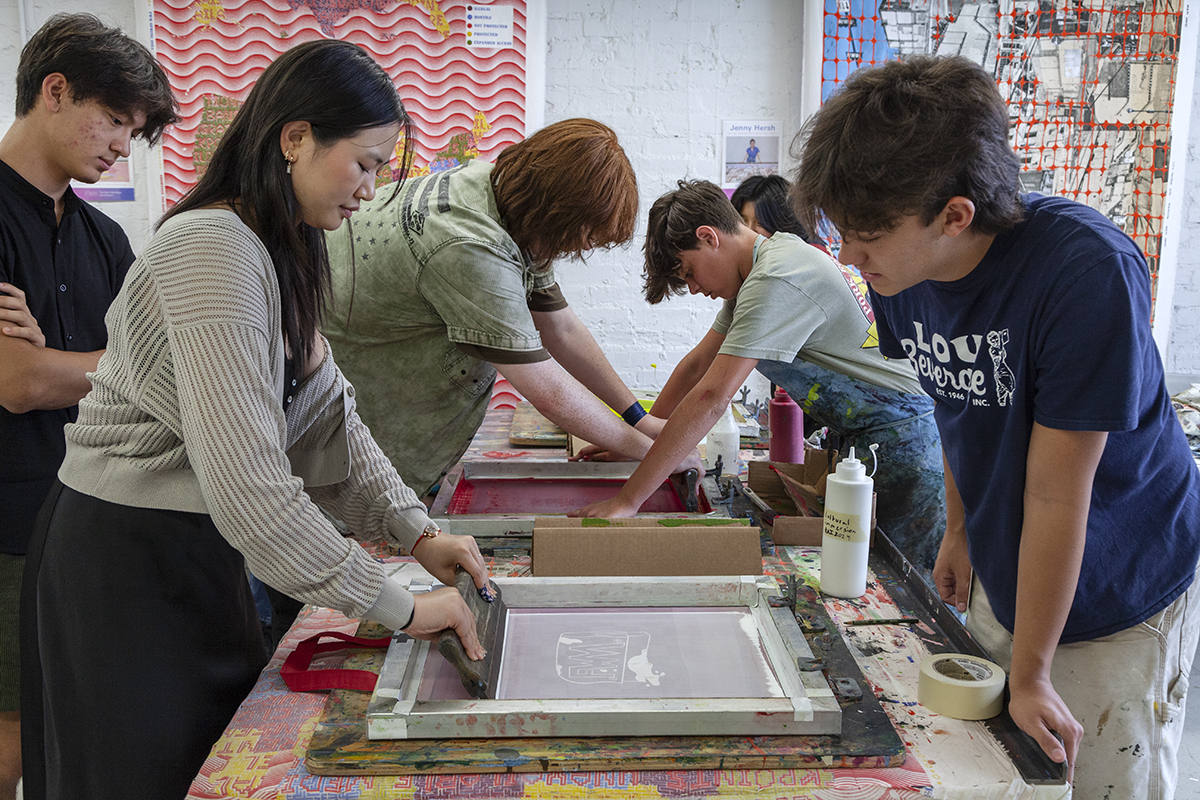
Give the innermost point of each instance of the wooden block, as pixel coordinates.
(530, 429)
(575, 444)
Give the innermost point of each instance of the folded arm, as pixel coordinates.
(17, 320)
(42, 378)
(33, 376)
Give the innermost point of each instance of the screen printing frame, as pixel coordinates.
(489, 525)
(807, 707)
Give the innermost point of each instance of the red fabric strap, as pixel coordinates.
(299, 678)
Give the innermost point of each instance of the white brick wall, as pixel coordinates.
(664, 76)
(1183, 348)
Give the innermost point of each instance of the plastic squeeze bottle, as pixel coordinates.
(845, 537)
(786, 421)
(725, 441)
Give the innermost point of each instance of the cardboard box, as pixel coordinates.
(796, 525)
(569, 546)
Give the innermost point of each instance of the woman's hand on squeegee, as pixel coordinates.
(444, 608)
(441, 554)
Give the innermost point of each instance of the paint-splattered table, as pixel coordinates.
(262, 753)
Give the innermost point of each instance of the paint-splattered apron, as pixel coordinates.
(912, 495)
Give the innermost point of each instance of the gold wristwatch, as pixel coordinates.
(431, 530)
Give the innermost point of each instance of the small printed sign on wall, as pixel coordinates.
(489, 26)
(114, 186)
(750, 147)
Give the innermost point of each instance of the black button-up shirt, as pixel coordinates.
(70, 273)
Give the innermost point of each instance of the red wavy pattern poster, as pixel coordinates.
(465, 102)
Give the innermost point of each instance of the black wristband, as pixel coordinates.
(634, 413)
(412, 615)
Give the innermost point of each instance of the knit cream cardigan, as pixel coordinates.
(185, 413)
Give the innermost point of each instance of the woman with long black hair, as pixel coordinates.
(217, 424)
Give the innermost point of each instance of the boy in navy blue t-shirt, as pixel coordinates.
(1071, 494)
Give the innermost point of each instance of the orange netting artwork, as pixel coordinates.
(1090, 86)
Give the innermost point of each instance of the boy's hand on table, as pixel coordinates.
(952, 571)
(1040, 712)
(613, 508)
(596, 453)
(691, 461)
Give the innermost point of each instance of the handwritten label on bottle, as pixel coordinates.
(847, 527)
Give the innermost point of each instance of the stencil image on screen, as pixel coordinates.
(701, 655)
(633, 652)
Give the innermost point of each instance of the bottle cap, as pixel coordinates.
(851, 467)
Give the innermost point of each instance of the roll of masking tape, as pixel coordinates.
(961, 686)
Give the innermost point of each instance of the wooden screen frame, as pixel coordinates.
(807, 707)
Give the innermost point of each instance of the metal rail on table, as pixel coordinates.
(915, 597)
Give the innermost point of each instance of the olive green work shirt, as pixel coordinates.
(428, 291)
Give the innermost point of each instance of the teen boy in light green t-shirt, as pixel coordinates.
(802, 319)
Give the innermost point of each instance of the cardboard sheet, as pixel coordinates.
(648, 549)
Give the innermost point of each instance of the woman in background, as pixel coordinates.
(217, 424)
(801, 319)
(762, 202)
